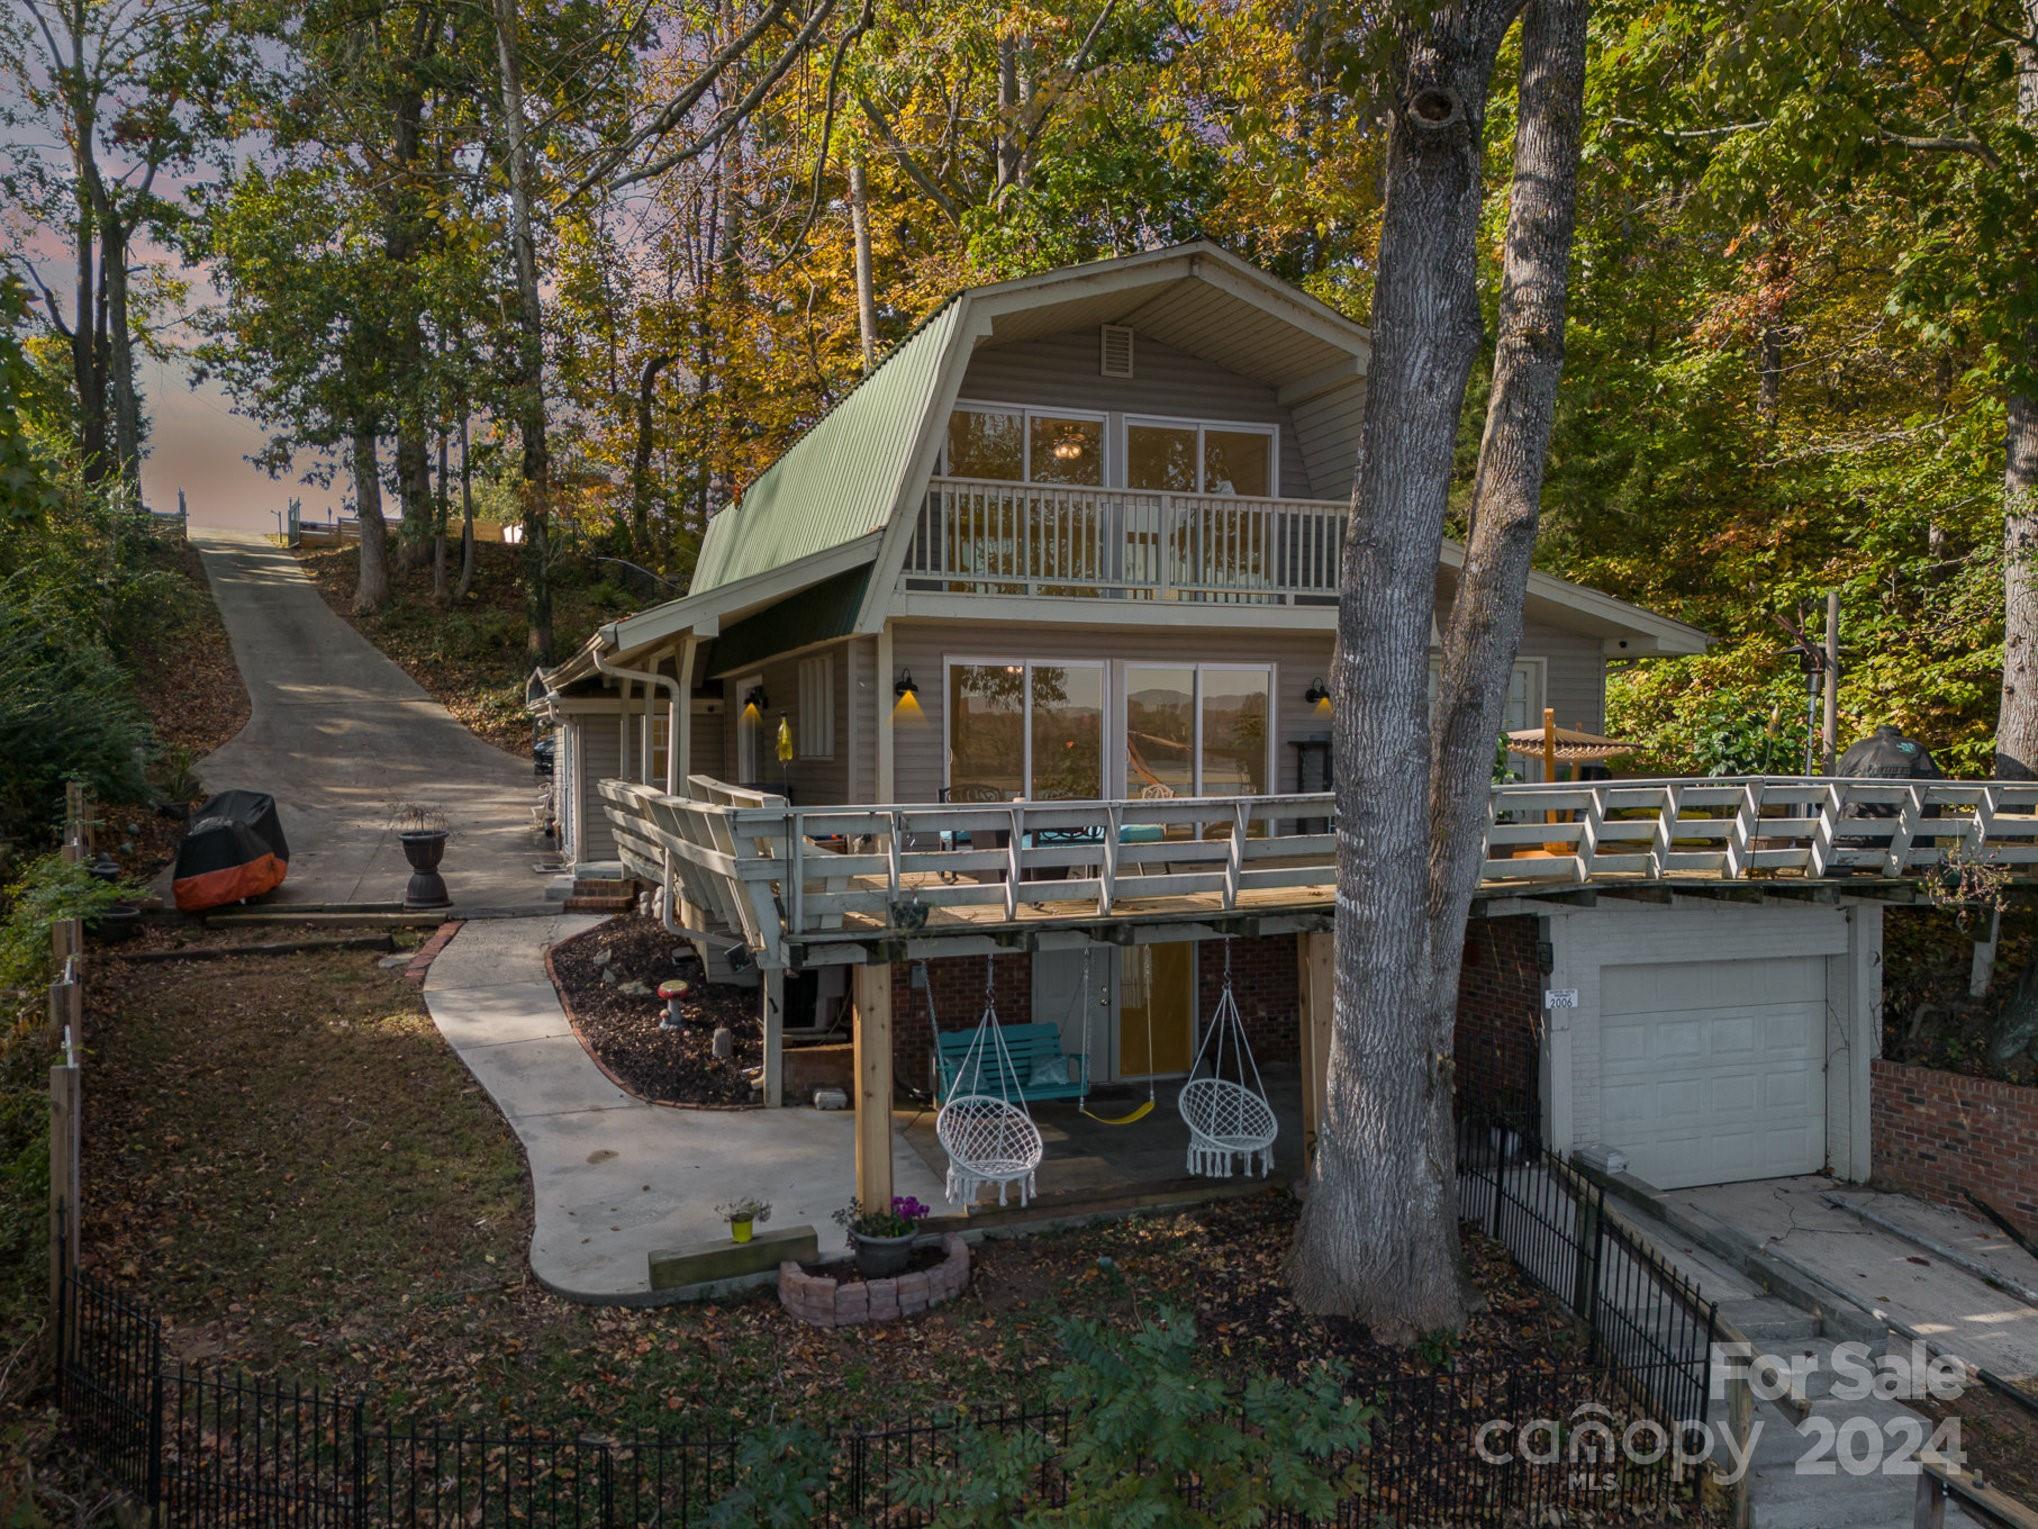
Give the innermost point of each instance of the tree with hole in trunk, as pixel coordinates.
(1378, 1238)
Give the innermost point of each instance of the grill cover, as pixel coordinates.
(1886, 754)
(233, 849)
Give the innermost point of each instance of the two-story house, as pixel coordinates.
(1076, 540)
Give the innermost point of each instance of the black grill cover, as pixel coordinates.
(1886, 754)
(234, 849)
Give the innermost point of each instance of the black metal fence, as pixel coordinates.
(200, 1448)
(1647, 1327)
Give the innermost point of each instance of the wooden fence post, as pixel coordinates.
(66, 1096)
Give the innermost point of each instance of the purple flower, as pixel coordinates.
(907, 1208)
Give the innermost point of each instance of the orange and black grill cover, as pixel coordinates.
(233, 849)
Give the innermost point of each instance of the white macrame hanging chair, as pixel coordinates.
(990, 1138)
(1229, 1121)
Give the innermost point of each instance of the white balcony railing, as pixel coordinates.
(769, 873)
(982, 537)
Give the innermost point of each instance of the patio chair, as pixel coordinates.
(965, 792)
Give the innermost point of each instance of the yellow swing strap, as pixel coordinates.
(1140, 1111)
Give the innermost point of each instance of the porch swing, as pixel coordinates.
(1226, 1118)
(990, 1139)
(1139, 1112)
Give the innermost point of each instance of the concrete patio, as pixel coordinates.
(614, 1179)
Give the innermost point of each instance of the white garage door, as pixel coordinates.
(1712, 1071)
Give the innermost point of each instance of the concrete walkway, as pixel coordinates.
(339, 734)
(1797, 1222)
(616, 1179)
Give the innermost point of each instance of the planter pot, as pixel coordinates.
(424, 850)
(116, 923)
(739, 1231)
(879, 1257)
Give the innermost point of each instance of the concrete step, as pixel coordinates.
(1767, 1321)
(1830, 1502)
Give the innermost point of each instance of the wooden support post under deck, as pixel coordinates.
(679, 735)
(1315, 956)
(872, 1052)
(771, 993)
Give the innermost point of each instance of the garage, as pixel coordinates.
(1706, 1040)
(1712, 1071)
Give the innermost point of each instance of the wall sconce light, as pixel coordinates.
(1318, 694)
(757, 700)
(906, 690)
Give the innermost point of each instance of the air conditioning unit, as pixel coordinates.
(1117, 351)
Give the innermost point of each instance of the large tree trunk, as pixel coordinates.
(414, 487)
(124, 399)
(529, 402)
(640, 460)
(859, 228)
(466, 516)
(441, 591)
(2017, 717)
(85, 373)
(1378, 1238)
(371, 588)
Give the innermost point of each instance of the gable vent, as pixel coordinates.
(1117, 351)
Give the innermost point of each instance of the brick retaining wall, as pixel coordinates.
(1500, 1011)
(1936, 1133)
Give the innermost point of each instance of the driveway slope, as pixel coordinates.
(339, 734)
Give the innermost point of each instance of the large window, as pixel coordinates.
(1033, 730)
(1186, 457)
(1015, 445)
(1197, 730)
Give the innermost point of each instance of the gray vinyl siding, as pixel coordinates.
(1572, 677)
(707, 749)
(1063, 369)
(1575, 682)
(1331, 447)
(813, 781)
(596, 757)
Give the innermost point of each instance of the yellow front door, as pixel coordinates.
(1156, 1009)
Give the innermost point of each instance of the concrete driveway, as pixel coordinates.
(339, 734)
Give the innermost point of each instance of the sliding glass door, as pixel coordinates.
(1198, 729)
(1031, 730)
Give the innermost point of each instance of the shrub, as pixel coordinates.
(1155, 1439)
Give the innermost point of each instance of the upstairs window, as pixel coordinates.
(1015, 445)
(1189, 457)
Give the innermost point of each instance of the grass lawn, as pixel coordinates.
(286, 1161)
(475, 656)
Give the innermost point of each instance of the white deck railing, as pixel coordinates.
(768, 872)
(982, 537)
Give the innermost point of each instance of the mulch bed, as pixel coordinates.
(597, 974)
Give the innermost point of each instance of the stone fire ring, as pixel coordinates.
(823, 1301)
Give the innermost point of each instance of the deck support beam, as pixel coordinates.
(871, 1050)
(771, 999)
(1315, 955)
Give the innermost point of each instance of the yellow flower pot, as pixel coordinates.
(740, 1230)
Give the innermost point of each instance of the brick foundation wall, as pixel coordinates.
(1937, 1133)
(1500, 1016)
(957, 983)
(1266, 983)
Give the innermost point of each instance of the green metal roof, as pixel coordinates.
(841, 479)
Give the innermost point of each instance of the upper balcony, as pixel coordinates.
(980, 536)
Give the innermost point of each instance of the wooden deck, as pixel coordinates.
(818, 885)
